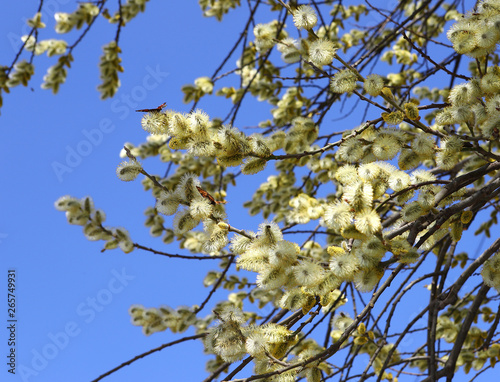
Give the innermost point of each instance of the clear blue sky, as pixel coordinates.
(64, 283)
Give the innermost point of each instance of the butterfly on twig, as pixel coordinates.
(206, 195)
(155, 110)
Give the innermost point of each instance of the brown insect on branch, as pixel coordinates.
(206, 195)
(155, 110)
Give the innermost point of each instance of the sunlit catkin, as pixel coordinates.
(304, 17)
(373, 84)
